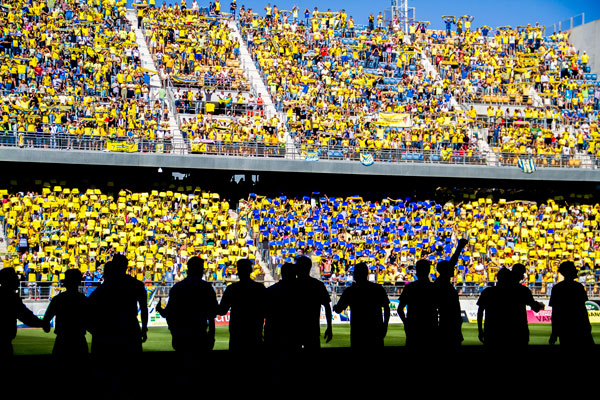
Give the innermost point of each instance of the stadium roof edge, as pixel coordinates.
(280, 165)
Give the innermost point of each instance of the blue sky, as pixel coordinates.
(492, 13)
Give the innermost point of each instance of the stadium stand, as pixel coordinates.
(72, 79)
(471, 95)
(391, 234)
(344, 91)
(60, 228)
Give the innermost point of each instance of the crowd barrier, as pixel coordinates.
(544, 160)
(66, 141)
(45, 290)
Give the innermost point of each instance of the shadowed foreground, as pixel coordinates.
(334, 370)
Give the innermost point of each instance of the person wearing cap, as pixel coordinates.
(71, 311)
(570, 320)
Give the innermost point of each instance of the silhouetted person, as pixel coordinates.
(72, 312)
(191, 312)
(115, 304)
(518, 299)
(491, 305)
(246, 299)
(570, 320)
(421, 319)
(450, 318)
(280, 328)
(369, 311)
(11, 309)
(311, 294)
(116, 333)
(280, 331)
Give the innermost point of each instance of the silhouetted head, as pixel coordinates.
(503, 276)
(303, 266)
(195, 267)
(423, 268)
(361, 272)
(121, 263)
(244, 268)
(110, 271)
(288, 271)
(445, 269)
(9, 278)
(568, 270)
(72, 278)
(518, 271)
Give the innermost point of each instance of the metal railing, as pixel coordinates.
(66, 141)
(61, 141)
(543, 160)
(445, 154)
(213, 83)
(45, 290)
(571, 23)
(199, 107)
(241, 149)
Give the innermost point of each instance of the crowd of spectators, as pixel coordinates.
(392, 234)
(71, 78)
(510, 66)
(53, 230)
(60, 228)
(193, 49)
(331, 81)
(240, 135)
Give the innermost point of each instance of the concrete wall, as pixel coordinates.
(587, 37)
(252, 164)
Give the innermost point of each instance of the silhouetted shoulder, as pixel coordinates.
(313, 289)
(486, 295)
(568, 291)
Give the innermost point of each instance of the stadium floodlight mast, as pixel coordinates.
(403, 12)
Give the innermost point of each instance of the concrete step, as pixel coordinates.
(179, 144)
(258, 86)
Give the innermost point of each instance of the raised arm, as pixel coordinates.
(459, 247)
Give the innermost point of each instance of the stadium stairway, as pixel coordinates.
(3, 245)
(484, 147)
(259, 87)
(429, 68)
(179, 144)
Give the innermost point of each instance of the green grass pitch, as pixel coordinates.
(35, 341)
